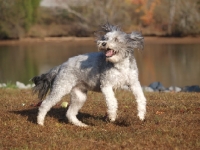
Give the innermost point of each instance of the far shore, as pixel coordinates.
(148, 40)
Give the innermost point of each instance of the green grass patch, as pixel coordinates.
(11, 85)
(172, 122)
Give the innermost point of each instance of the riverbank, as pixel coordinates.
(148, 40)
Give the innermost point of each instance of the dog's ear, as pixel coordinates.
(136, 39)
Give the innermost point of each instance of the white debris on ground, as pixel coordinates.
(153, 87)
(176, 89)
(19, 85)
(2, 85)
(147, 89)
(23, 86)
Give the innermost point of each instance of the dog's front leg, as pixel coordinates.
(140, 98)
(111, 102)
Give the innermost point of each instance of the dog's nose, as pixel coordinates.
(104, 44)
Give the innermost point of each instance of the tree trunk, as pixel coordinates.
(172, 10)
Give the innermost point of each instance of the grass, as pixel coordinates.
(172, 122)
(10, 84)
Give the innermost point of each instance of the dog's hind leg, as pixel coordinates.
(140, 99)
(54, 97)
(78, 97)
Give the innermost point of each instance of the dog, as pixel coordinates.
(112, 67)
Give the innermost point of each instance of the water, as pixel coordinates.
(171, 64)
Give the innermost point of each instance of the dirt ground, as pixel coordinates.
(172, 122)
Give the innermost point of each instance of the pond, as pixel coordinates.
(170, 64)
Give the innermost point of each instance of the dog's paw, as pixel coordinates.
(112, 119)
(108, 118)
(83, 125)
(141, 116)
(80, 124)
(40, 123)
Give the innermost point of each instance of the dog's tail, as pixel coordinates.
(43, 83)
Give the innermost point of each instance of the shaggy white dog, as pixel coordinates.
(114, 66)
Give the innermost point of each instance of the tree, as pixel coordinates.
(16, 17)
(146, 8)
(172, 10)
(178, 17)
(187, 18)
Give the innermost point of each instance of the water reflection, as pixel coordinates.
(171, 64)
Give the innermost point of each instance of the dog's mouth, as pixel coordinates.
(109, 52)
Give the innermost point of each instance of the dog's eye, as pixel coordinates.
(103, 38)
(116, 39)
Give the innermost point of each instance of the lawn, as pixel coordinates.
(172, 122)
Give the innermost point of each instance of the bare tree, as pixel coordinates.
(93, 12)
(66, 5)
(172, 10)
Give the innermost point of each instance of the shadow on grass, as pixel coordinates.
(30, 113)
(59, 114)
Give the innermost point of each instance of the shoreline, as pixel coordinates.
(147, 39)
(153, 87)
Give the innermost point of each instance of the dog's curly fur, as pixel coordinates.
(114, 66)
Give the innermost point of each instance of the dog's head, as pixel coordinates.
(116, 44)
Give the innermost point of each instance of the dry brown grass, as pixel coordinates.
(172, 122)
